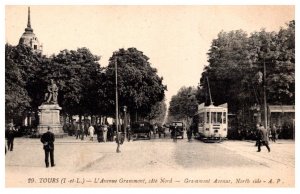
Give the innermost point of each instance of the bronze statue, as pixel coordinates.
(52, 92)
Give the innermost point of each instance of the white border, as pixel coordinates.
(135, 2)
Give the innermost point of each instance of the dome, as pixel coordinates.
(28, 38)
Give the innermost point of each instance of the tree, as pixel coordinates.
(184, 104)
(22, 67)
(281, 77)
(139, 86)
(236, 66)
(228, 64)
(78, 74)
(158, 112)
(17, 99)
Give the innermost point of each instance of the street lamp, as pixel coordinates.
(192, 109)
(125, 120)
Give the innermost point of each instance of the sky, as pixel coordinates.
(175, 38)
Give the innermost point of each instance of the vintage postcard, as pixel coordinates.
(189, 96)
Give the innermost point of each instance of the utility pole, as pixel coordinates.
(117, 109)
(265, 97)
(125, 121)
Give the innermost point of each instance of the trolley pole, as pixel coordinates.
(117, 110)
(211, 102)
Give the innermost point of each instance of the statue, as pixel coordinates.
(52, 92)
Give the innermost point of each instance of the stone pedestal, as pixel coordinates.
(49, 116)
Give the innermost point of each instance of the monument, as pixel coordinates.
(49, 112)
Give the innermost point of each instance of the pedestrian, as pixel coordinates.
(262, 137)
(10, 134)
(155, 127)
(273, 132)
(119, 141)
(97, 131)
(110, 133)
(161, 131)
(77, 128)
(82, 130)
(91, 131)
(86, 129)
(189, 132)
(73, 128)
(175, 133)
(128, 133)
(104, 129)
(48, 145)
(278, 132)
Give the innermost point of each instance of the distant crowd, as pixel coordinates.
(274, 132)
(103, 132)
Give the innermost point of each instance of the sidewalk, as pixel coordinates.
(282, 152)
(149, 159)
(70, 154)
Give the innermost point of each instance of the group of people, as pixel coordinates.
(247, 133)
(48, 138)
(103, 132)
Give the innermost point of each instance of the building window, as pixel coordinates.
(35, 47)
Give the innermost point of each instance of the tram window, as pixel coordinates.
(216, 117)
(207, 117)
(224, 117)
(219, 117)
(213, 117)
(201, 119)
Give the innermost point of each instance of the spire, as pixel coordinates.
(28, 29)
(28, 23)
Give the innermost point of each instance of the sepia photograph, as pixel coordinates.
(149, 96)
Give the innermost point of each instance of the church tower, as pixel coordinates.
(28, 37)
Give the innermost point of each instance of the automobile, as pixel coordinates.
(141, 129)
(177, 128)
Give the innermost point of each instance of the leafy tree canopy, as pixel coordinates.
(139, 86)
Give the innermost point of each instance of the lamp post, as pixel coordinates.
(191, 112)
(117, 110)
(125, 120)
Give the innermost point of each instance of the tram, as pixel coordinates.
(211, 122)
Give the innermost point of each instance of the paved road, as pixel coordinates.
(188, 164)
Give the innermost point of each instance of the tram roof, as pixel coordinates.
(201, 106)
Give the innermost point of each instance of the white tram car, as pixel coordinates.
(212, 122)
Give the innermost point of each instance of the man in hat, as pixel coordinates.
(262, 135)
(10, 136)
(48, 141)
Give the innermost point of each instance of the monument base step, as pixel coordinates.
(61, 135)
(57, 135)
